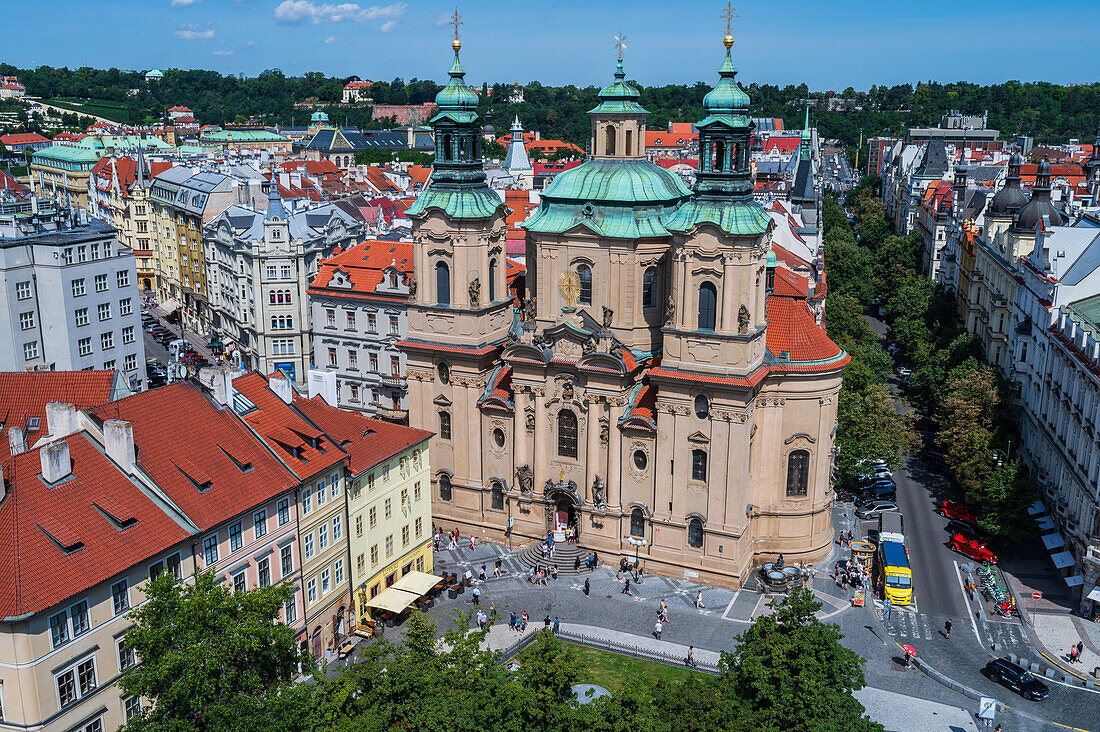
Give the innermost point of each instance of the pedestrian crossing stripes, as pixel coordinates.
(910, 626)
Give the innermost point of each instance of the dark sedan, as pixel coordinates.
(1023, 682)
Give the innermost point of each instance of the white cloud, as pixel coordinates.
(388, 26)
(331, 39)
(222, 52)
(251, 43)
(294, 12)
(442, 20)
(184, 3)
(191, 32)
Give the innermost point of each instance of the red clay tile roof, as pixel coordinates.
(555, 167)
(23, 138)
(25, 394)
(793, 330)
(179, 109)
(791, 260)
(364, 264)
(285, 431)
(670, 139)
(643, 412)
(37, 573)
(419, 175)
(380, 182)
(788, 284)
(367, 441)
(11, 184)
(217, 445)
(783, 144)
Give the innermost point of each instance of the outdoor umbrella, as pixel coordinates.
(909, 649)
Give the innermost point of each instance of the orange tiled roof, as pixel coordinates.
(23, 138)
(364, 264)
(793, 330)
(787, 284)
(297, 443)
(25, 394)
(206, 480)
(670, 139)
(58, 541)
(367, 441)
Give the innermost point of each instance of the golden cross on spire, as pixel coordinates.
(728, 15)
(456, 20)
(620, 44)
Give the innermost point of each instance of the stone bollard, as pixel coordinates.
(997, 647)
(1011, 656)
(1049, 673)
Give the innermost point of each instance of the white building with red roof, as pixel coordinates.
(357, 91)
(12, 90)
(175, 113)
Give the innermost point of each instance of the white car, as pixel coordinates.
(875, 508)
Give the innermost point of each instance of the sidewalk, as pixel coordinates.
(1056, 632)
(897, 711)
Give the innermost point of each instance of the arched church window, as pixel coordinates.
(567, 434)
(649, 288)
(444, 488)
(629, 142)
(444, 425)
(442, 283)
(637, 522)
(609, 140)
(584, 272)
(695, 533)
(492, 280)
(497, 496)
(798, 473)
(719, 155)
(708, 305)
(446, 147)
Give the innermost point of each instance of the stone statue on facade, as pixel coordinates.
(670, 310)
(605, 433)
(529, 310)
(608, 314)
(743, 320)
(475, 291)
(598, 492)
(412, 288)
(526, 478)
(589, 346)
(529, 419)
(567, 391)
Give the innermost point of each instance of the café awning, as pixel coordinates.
(1062, 560)
(169, 306)
(418, 583)
(1045, 523)
(1037, 508)
(392, 600)
(1095, 594)
(1075, 581)
(1053, 541)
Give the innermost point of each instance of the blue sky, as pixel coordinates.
(824, 44)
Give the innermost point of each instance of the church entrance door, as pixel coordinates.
(564, 517)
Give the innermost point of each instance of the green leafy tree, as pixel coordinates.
(1004, 496)
(791, 672)
(210, 658)
(966, 417)
(870, 428)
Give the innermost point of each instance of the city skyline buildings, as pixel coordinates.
(853, 44)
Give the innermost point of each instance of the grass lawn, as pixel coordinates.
(611, 670)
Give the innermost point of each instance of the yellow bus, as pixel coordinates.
(893, 572)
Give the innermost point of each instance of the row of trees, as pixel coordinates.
(1050, 112)
(950, 382)
(212, 659)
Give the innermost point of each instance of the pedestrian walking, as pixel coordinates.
(626, 587)
(481, 574)
(587, 587)
(1080, 650)
(699, 599)
(947, 628)
(1074, 655)
(546, 623)
(497, 571)
(471, 542)
(690, 660)
(663, 612)
(657, 628)
(577, 564)
(512, 620)
(523, 617)
(492, 612)
(557, 624)
(477, 596)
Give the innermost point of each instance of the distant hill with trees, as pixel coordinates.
(1052, 113)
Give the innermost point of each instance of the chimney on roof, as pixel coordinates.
(61, 419)
(282, 387)
(17, 440)
(118, 438)
(219, 382)
(56, 462)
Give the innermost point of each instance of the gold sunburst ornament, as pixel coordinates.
(569, 287)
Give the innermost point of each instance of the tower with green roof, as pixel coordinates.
(720, 243)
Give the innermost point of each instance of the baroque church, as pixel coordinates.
(658, 383)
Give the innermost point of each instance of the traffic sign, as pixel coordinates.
(987, 708)
(1036, 595)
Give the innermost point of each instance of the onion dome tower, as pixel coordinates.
(1039, 206)
(1011, 198)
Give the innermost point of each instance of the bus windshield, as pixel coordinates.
(899, 581)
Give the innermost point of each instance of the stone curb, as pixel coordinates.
(951, 683)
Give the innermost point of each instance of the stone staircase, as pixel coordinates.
(565, 556)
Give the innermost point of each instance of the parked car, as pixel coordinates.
(869, 478)
(876, 494)
(951, 510)
(884, 481)
(904, 372)
(1006, 673)
(972, 548)
(965, 528)
(872, 464)
(875, 508)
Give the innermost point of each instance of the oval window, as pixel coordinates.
(444, 373)
(498, 437)
(640, 459)
(702, 406)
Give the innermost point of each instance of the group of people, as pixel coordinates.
(451, 540)
(539, 575)
(845, 538)
(1076, 651)
(853, 574)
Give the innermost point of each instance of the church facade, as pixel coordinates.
(658, 383)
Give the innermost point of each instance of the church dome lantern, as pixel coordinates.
(1011, 197)
(1040, 206)
(618, 121)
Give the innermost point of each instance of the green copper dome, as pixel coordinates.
(619, 97)
(457, 99)
(727, 98)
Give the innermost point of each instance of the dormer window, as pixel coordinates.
(393, 280)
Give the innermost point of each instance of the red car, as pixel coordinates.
(973, 549)
(956, 511)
